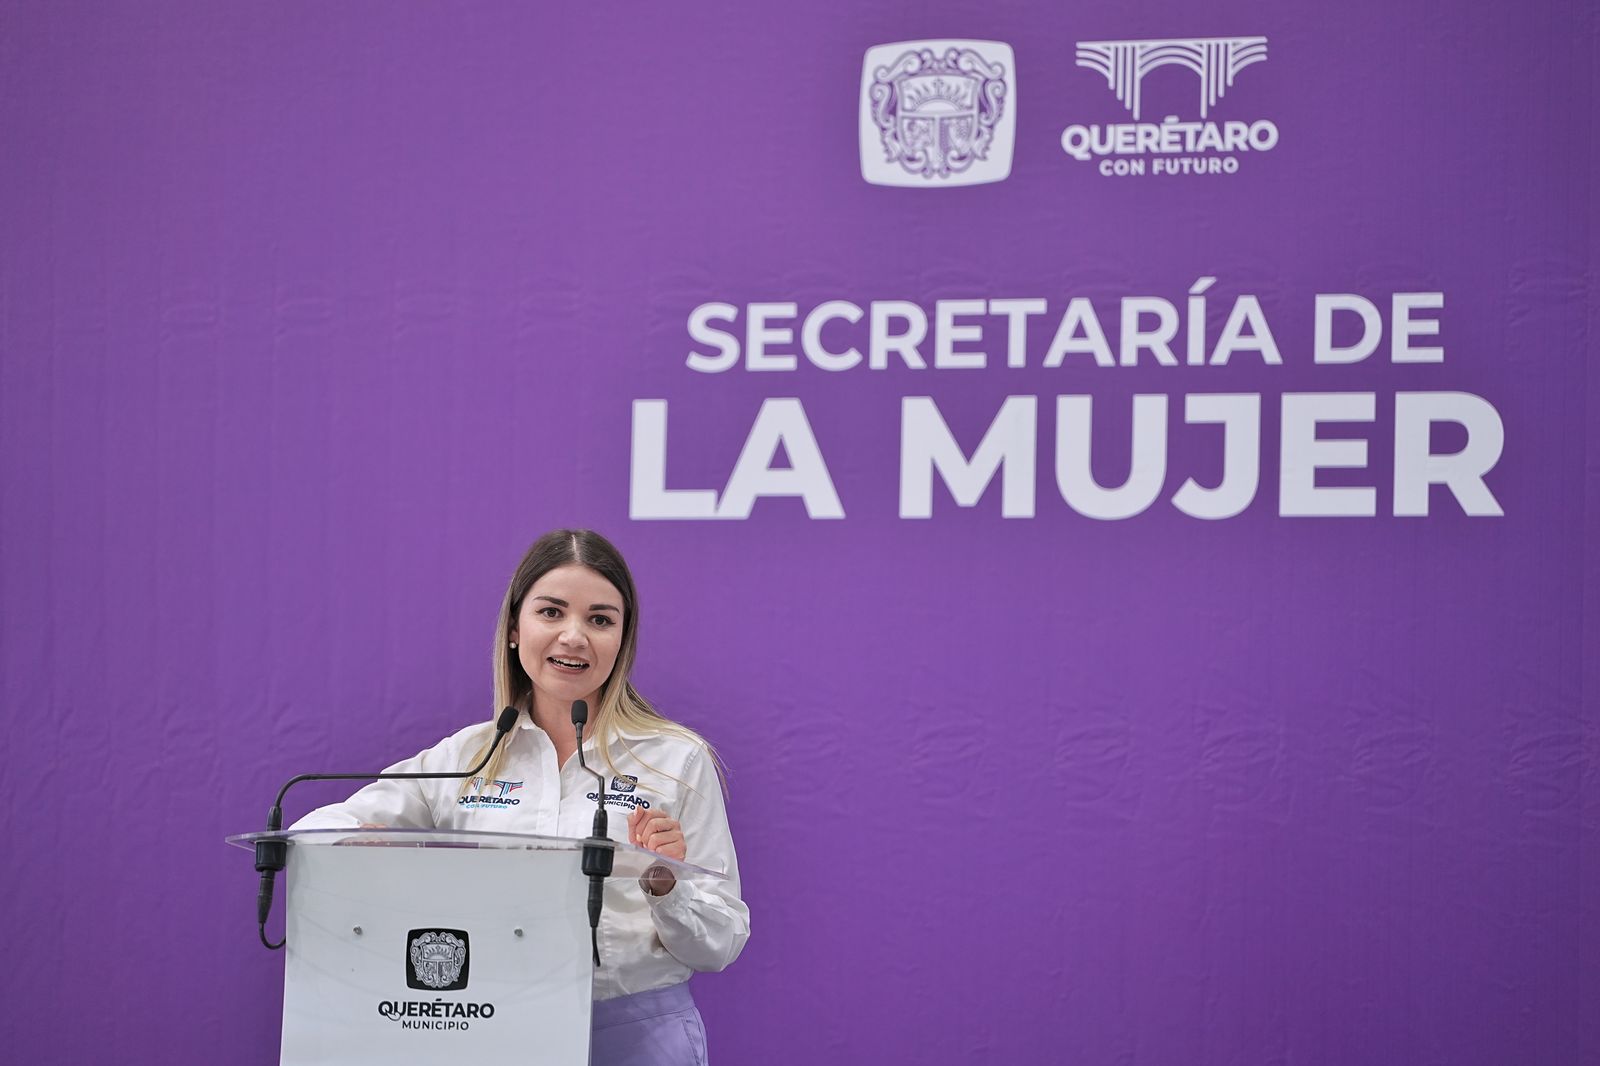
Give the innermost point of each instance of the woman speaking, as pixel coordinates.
(568, 630)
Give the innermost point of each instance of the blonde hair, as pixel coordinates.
(620, 705)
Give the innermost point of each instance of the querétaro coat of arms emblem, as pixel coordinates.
(437, 957)
(936, 113)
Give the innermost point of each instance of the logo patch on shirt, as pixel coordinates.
(496, 793)
(624, 783)
(626, 801)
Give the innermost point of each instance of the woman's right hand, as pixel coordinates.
(365, 843)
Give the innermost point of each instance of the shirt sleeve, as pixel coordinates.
(704, 925)
(397, 804)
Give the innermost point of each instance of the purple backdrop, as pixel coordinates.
(315, 315)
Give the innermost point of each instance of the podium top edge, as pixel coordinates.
(465, 838)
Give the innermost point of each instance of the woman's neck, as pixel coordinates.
(556, 721)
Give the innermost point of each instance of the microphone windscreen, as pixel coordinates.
(580, 712)
(507, 719)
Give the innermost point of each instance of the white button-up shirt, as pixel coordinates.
(646, 942)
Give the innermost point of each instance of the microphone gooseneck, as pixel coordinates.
(598, 851)
(272, 854)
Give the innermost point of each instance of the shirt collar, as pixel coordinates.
(625, 732)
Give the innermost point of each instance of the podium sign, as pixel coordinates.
(430, 947)
(435, 955)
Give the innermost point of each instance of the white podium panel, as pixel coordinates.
(445, 955)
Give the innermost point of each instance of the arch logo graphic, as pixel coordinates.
(937, 113)
(1216, 61)
(1174, 145)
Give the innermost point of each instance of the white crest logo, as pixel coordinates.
(937, 113)
(437, 957)
(1215, 60)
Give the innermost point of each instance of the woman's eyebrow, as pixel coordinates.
(593, 606)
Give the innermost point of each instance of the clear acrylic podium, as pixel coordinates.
(440, 946)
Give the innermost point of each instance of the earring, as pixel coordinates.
(513, 644)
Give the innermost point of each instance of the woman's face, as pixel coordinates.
(568, 631)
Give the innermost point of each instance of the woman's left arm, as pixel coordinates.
(704, 925)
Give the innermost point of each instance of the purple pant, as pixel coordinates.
(659, 1028)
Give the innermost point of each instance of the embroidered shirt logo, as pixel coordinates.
(624, 783)
(496, 793)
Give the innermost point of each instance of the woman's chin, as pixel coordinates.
(566, 689)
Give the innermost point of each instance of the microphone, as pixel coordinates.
(273, 854)
(598, 851)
